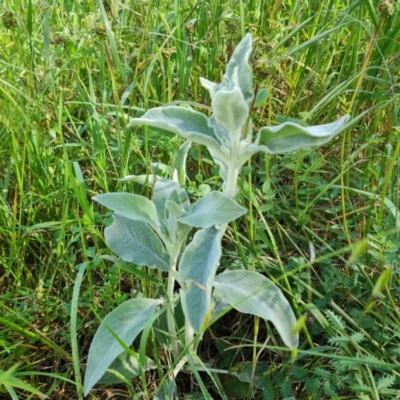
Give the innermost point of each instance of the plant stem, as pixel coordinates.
(170, 311)
(189, 335)
(233, 169)
(230, 184)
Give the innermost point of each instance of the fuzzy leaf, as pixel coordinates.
(220, 130)
(127, 367)
(184, 122)
(163, 189)
(126, 321)
(136, 242)
(197, 269)
(238, 67)
(290, 136)
(214, 208)
(176, 230)
(238, 73)
(210, 86)
(230, 110)
(180, 161)
(252, 293)
(131, 206)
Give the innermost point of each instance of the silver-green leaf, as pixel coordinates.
(289, 136)
(184, 122)
(126, 322)
(136, 242)
(252, 293)
(131, 206)
(180, 161)
(214, 208)
(231, 110)
(163, 189)
(124, 368)
(197, 269)
(238, 67)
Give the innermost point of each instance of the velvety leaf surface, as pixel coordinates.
(238, 65)
(184, 122)
(230, 110)
(197, 269)
(180, 161)
(290, 136)
(177, 230)
(126, 321)
(136, 242)
(131, 206)
(252, 293)
(162, 190)
(214, 208)
(127, 366)
(220, 130)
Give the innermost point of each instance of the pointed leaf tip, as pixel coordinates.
(289, 136)
(131, 206)
(126, 321)
(215, 208)
(197, 269)
(187, 123)
(252, 293)
(238, 67)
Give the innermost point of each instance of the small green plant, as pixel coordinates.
(154, 233)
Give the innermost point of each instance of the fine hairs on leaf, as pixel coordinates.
(154, 233)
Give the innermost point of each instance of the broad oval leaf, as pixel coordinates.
(290, 136)
(214, 208)
(184, 122)
(131, 206)
(136, 242)
(197, 269)
(231, 110)
(252, 293)
(126, 321)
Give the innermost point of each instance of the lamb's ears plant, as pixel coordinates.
(229, 138)
(228, 132)
(153, 233)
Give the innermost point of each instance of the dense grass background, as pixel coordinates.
(72, 73)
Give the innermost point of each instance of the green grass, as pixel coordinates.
(73, 73)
